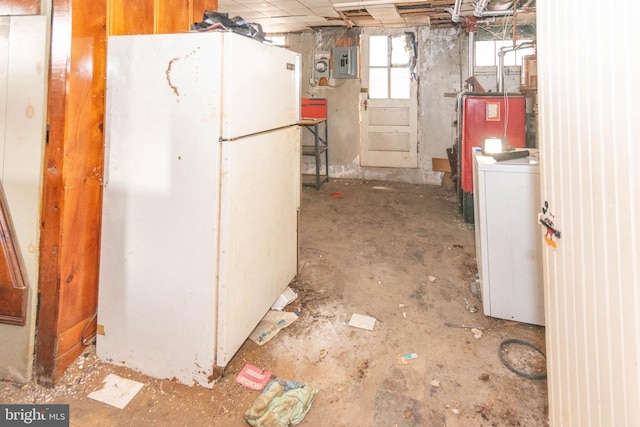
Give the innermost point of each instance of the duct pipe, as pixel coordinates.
(503, 50)
(472, 47)
(480, 6)
(455, 12)
(487, 13)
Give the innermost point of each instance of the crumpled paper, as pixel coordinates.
(281, 404)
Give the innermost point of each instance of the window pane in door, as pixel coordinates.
(399, 52)
(378, 83)
(378, 51)
(400, 83)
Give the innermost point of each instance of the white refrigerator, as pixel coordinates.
(201, 198)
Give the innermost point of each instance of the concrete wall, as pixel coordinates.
(442, 57)
(487, 78)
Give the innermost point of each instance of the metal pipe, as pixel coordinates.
(501, 53)
(500, 4)
(472, 46)
(500, 12)
(455, 12)
(480, 6)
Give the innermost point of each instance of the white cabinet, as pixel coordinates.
(508, 240)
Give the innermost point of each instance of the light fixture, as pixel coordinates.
(493, 145)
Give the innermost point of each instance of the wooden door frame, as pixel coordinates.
(69, 249)
(73, 164)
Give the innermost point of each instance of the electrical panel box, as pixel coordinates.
(345, 63)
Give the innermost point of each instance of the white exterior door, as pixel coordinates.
(388, 104)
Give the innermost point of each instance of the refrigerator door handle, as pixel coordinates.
(235, 138)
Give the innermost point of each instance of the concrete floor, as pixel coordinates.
(395, 252)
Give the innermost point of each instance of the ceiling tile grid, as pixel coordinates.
(282, 16)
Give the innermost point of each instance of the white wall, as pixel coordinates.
(589, 109)
(23, 68)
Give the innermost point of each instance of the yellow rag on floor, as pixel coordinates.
(280, 406)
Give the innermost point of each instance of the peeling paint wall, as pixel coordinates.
(342, 102)
(442, 69)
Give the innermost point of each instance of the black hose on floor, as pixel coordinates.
(505, 343)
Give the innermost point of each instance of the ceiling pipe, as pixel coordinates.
(501, 53)
(500, 5)
(480, 7)
(455, 12)
(480, 10)
(487, 13)
(472, 55)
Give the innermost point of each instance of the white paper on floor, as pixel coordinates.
(361, 321)
(117, 391)
(286, 297)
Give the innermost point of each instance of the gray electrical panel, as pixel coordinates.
(345, 63)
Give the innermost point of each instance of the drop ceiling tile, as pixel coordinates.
(288, 4)
(298, 12)
(316, 3)
(265, 8)
(292, 20)
(325, 11)
(257, 9)
(235, 8)
(252, 15)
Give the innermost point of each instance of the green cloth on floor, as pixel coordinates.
(281, 404)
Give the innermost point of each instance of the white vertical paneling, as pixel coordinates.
(590, 172)
(23, 90)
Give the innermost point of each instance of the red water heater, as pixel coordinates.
(487, 115)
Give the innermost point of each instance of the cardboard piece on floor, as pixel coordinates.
(117, 391)
(440, 165)
(272, 323)
(253, 377)
(361, 321)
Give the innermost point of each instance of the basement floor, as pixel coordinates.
(396, 252)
